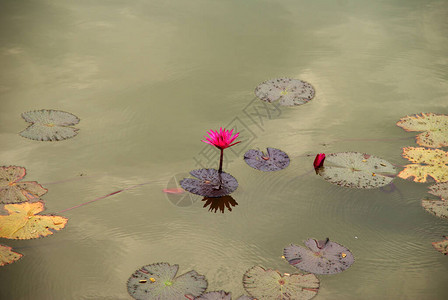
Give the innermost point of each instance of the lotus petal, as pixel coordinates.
(427, 162)
(440, 189)
(271, 285)
(435, 129)
(321, 257)
(23, 221)
(274, 160)
(158, 282)
(13, 190)
(49, 125)
(357, 170)
(290, 91)
(438, 208)
(210, 183)
(441, 246)
(7, 256)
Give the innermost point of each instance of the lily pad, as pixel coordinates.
(210, 183)
(23, 222)
(273, 160)
(321, 257)
(158, 282)
(269, 285)
(13, 190)
(7, 256)
(441, 246)
(427, 162)
(49, 125)
(439, 189)
(435, 129)
(220, 295)
(357, 170)
(438, 208)
(290, 91)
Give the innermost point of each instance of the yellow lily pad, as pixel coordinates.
(441, 246)
(435, 129)
(7, 256)
(23, 222)
(427, 162)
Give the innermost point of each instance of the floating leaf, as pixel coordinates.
(269, 285)
(23, 223)
(435, 129)
(220, 295)
(289, 91)
(274, 160)
(440, 189)
(438, 208)
(7, 256)
(12, 190)
(428, 162)
(158, 282)
(321, 257)
(210, 183)
(49, 125)
(357, 170)
(441, 246)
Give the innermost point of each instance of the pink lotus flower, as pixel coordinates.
(222, 139)
(319, 160)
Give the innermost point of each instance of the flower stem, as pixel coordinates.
(220, 161)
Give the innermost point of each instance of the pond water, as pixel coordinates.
(149, 78)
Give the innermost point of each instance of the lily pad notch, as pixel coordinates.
(273, 160)
(49, 125)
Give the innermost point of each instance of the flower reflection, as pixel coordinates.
(220, 203)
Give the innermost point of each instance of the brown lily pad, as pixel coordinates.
(13, 190)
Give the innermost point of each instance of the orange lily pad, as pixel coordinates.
(23, 222)
(13, 190)
(435, 129)
(442, 246)
(7, 256)
(426, 162)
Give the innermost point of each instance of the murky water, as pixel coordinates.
(149, 78)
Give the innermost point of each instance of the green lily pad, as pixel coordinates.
(357, 170)
(269, 284)
(439, 189)
(158, 282)
(427, 163)
(49, 125)
(435, 129)
(321, 257)
(290, 91)
(438, 208)
(441, 246)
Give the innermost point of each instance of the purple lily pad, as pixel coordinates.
(209, 183)
(49, 125)
(269, 284)
(158, 281)
(290, 91)
(357, 170)
(321, 257)
(273, 160)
